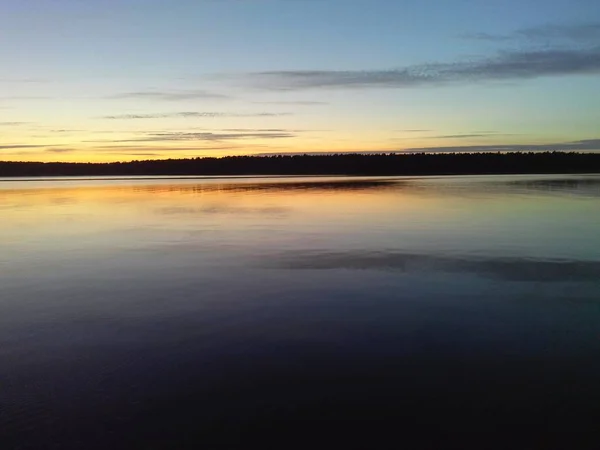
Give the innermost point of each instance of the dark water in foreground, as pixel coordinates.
(296, 312)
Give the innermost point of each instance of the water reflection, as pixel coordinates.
(63, 191)
(223, 209)
(509, 269)
(573, 186)
(216, 313)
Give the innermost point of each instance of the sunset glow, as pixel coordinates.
(125, 80)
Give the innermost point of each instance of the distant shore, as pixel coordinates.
(341, 164)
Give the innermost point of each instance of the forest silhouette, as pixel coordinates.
(336, 164)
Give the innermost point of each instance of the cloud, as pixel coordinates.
(208, 136)
(13, 124)
(504, 65)
(170, 95)
(194, 114)
(415, 131)
(584, 145)
(136, 149)
(13, 146)
(458, 136)
(66, 131)
(135, 154)
(267, 130)
(480, 134)
(483, 36)
(60, 150)
(298, 102)
(333, 152)
(580, 145)
(259, 130)
(580, 33)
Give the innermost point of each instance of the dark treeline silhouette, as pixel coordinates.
(340, 164)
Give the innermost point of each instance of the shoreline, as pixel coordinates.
(422, 164)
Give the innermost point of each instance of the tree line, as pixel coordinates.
(338, 164)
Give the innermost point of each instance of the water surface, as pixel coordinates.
(221, 312)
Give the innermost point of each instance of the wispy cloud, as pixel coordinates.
(134, 154)
(504, 65)
(195, 114)
(580, 33)
(266, 130)
(60, 150)
(567, 50)
(144, 148)
(416, 131)
(14, 146)
(580, 145)
(297, 102)
(209, 136)
(458, 136)
(176, 95)
(481, 134)
(584, 145)
(331, 152)
(66, 131)
(13, 124)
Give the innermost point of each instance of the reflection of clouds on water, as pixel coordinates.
(573, 186)
(438, 186)
(223, 209)
(343, 185)
(509, 269)
(503, 185)
(281, 186)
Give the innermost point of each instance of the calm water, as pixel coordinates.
(219, 313)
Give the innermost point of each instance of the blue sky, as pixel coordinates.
(85, 80)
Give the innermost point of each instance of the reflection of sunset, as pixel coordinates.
(296, 202)
(62, 212)
(84, 213)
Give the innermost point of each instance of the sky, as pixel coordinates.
(121, 80)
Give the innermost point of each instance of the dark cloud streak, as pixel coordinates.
(475, 134)
(575, 146)
(14, 146)
(458, 136)
(298, 103)
(170, 95)
(136, 149)
(208, 136)
(580, 33)
(193, 114)
(60, 150)
(502, 66)
(416, 131)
